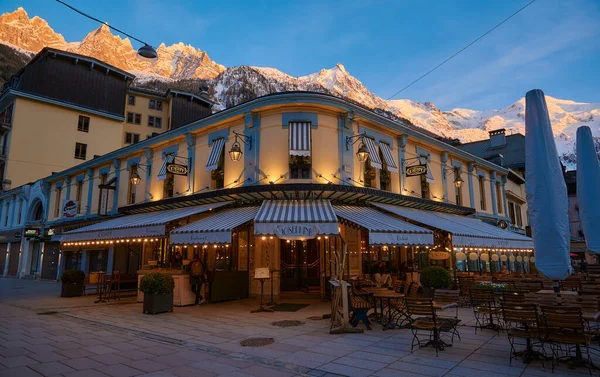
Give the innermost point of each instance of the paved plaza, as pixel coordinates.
(42, 334)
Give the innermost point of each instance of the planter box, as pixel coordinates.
(155, 304)
(71, 290)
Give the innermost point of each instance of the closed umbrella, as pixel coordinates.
(588, 188)
(546, 191)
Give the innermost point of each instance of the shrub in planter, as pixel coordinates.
(158, 292)
(434, 277)
(72, 283)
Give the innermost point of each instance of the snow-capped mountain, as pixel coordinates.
(185, 67)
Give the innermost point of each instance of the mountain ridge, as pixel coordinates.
(186, 67)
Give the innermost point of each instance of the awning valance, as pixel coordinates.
(295, 219)
(389, 159)
(466, 231)
(300, 138)
(215, 228)
(384, 229)
(215, 154)
(373, 153)
(162, 173)
(144, 225)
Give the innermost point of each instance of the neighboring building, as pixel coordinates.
(283, 181)
(509, 152)
(63, 108)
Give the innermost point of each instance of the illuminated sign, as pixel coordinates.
(412, 171)
(30, 233)
(177, 169)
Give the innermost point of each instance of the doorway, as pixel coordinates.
(50, 262)
(300, 265)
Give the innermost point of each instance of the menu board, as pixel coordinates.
(261, 273)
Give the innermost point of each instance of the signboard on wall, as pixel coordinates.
(415, 170)
(439, 255)
(31, 233)
(177, 169)
(103, 203)
(69, 209)
(261, 273)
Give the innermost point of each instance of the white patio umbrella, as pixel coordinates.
(588, 188)
(546, 191)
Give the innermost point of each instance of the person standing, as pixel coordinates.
(197, 280)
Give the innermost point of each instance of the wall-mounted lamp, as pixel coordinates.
(458, 181)
(363, 153)
(235, 153)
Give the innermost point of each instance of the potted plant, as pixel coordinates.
(158, 292)
(72, 283)
(434, 277)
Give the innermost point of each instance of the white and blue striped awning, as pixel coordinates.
(424, 160)
(466, 231)
(215, 228)
(162, 173)
(215, 154)
(300, 138)
(373, 154)
(143, 225)
(389, 159)
(384, 229)
(295, 219)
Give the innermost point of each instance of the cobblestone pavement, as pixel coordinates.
(44, 335)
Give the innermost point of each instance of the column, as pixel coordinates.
(149, 154)
(471, 168)
(493, 190)
(504, 203)
(444, 158)
(191, 151)
(111, 259)
(117, 166)
(24, 262)
(84, 261)
(401, 156)
(90, 175)
(7, 259)
(40, 259)
(61, 264)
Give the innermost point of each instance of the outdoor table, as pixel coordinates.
(389, 295)
(371, 291)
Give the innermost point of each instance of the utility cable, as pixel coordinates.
(461, 50)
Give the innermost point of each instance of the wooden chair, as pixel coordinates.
(398, 286)
(413, 291)
(464, 284)
(360, 309)
(564, 326)
(570, 285)
(485, 309)
(424, 319)
(522, 322)
(530, 285)
(449, 299)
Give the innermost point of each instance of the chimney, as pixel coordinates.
(496, 159)
(203, 90)
(497, 138)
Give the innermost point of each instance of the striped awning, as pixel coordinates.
(389, 159)
(300, 138)
(295, 219)
(162, 173)
(373, 154)
(215, 228)
(424, 160)
(215, 154)
(466, 231)
(384, 229)
(151, 224)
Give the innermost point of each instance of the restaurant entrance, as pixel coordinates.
(300, 265)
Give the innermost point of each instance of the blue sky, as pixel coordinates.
(553, 45)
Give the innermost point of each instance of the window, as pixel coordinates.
(155, 122)
(131, 100)
(19, 211)
(156, 105)
(385, 177)
(482, 201)
(134, 118)
(103, 178)
(84, 124)
(457, 190)
(80, 151)
(78, 195)
(168, 187)
(6, 214)
(518, 214)
(511, 212)
(131, 187)
(499, 198)
(57, 202)
(131, 138)
(300, 161)
(218, 175)
(300, 167)
(424, 187)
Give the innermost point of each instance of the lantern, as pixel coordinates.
(519, 258)
(461, 256)
(511, 258)
(495, 257)
(485, 257)
(526, 259)
(503, 258)
(532, 259)
(473, 256)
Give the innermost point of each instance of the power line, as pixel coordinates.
(461, 50)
